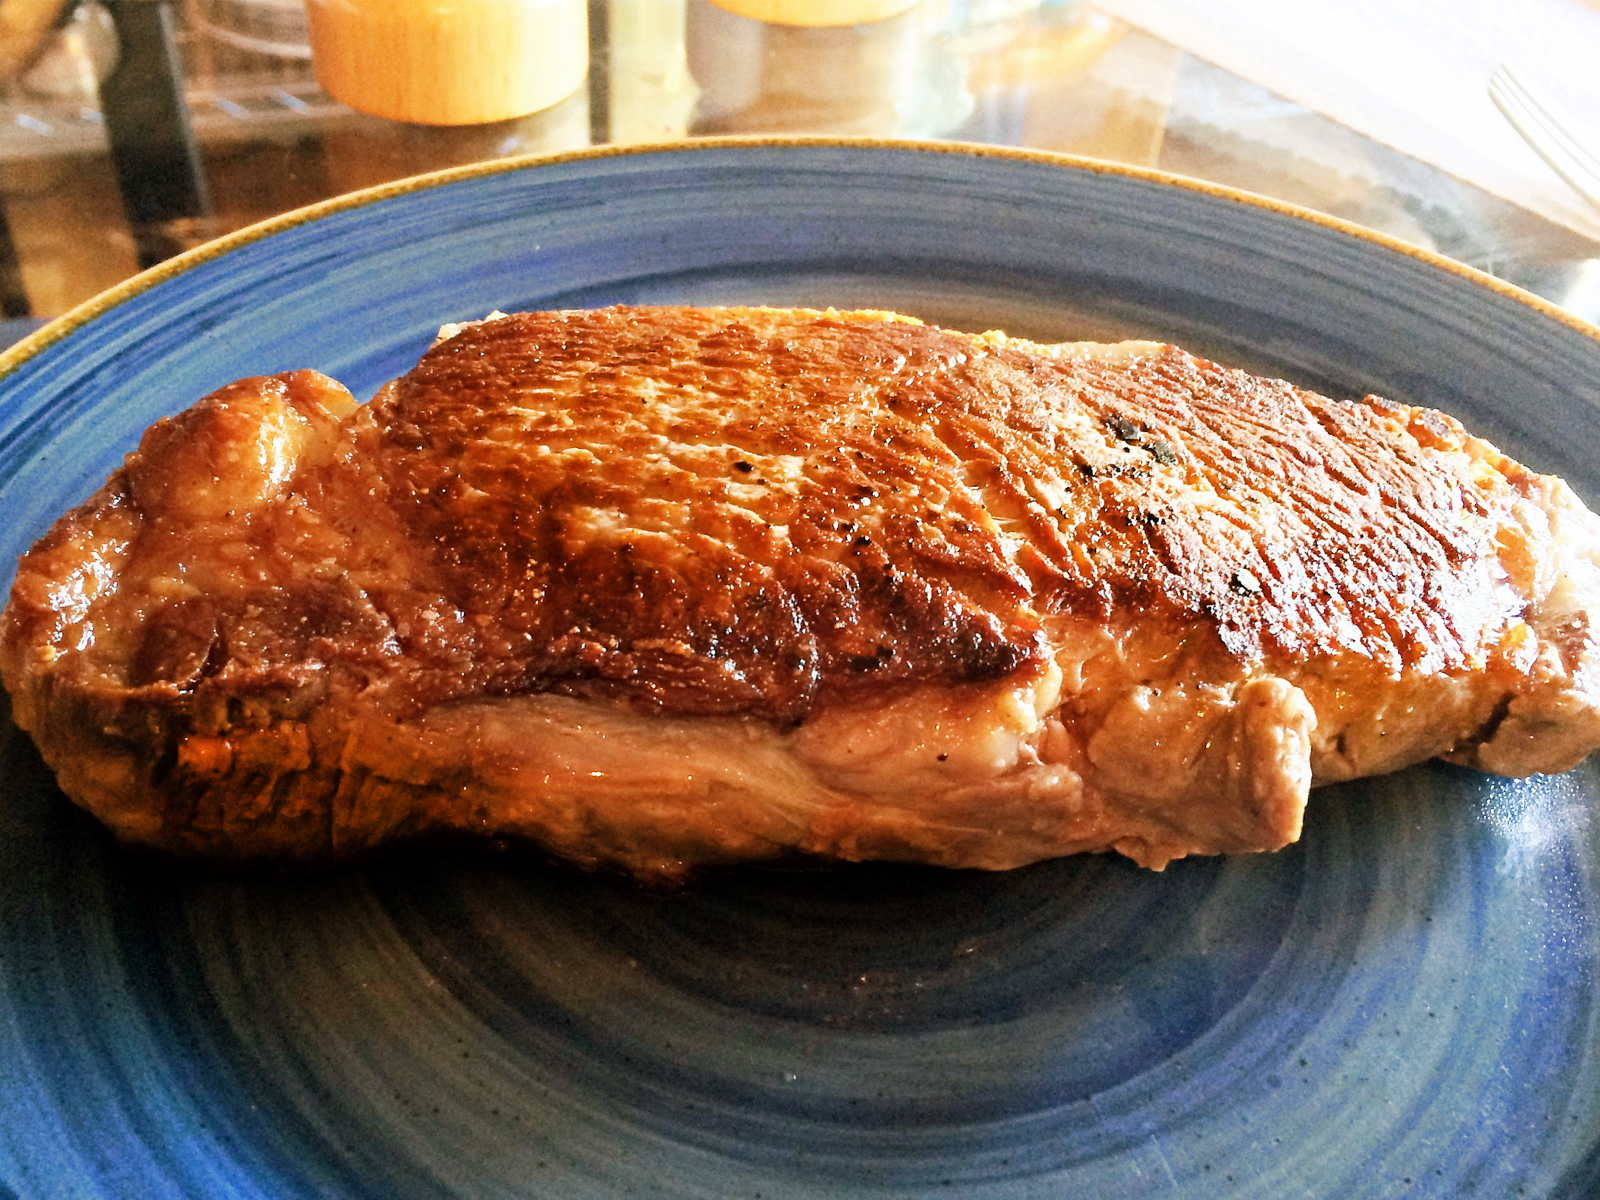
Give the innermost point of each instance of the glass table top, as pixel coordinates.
(1070, 77)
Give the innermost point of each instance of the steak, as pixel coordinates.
(662, 588)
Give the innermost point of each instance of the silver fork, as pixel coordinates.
(1567, 156)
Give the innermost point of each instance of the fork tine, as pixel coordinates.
(1551, 124)
(1565, 156)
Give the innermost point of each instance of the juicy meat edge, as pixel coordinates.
(1123, 732)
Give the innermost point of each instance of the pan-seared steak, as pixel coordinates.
(665, 587)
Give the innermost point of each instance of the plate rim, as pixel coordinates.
(30, 347)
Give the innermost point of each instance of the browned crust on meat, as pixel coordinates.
(955, 490)
(774, 515)
(667, 551)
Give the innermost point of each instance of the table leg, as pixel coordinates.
(147, 122)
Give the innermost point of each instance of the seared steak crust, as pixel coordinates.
(290, 626)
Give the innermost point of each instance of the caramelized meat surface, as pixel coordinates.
(659, 588)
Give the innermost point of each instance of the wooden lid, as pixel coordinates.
(817, 12)
(461, 62)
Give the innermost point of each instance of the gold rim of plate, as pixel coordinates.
(76, 318)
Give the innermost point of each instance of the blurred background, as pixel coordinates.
(133, 129)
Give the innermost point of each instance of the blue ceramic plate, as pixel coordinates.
(1403, 1004)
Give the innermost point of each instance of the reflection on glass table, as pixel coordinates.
(1068, 77)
